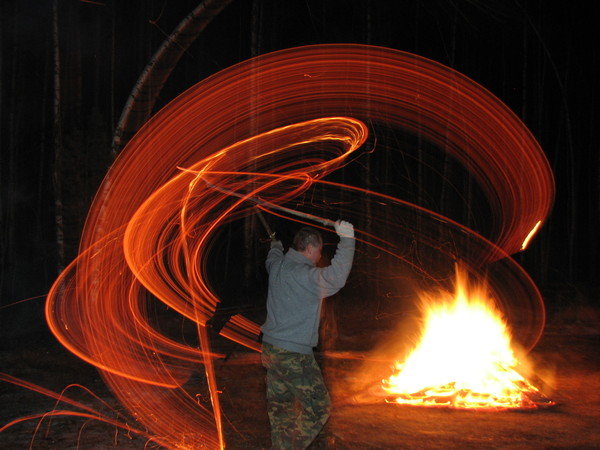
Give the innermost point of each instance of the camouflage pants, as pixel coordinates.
(297, 400)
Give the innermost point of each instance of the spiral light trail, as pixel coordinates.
(273, 128)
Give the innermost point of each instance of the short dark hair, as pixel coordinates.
(307, 236)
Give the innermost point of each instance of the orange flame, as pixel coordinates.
(464, 357)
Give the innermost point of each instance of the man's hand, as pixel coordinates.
(344, 229)
(276, 243)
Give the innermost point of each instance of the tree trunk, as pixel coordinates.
(5, 208)
(446, 203)
(250, 249)
(370, 283)
(42, 183)
(113, 46)
(58, 201)
(256, 27)
(143, 96)
(573, 181)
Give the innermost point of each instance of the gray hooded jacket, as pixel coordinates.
(296, 291)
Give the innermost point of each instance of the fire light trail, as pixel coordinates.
(274, 127)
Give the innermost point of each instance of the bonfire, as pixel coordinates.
(464, 357)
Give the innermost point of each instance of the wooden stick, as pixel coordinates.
(268, 205)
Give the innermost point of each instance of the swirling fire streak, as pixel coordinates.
(273, 127)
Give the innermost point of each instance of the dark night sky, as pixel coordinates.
(541, 58)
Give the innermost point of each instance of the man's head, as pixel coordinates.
(309, 242)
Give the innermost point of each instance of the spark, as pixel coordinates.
(531, 234)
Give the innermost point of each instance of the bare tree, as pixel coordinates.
(152, 79)
(57, 128)
(143, 96)
(250, 248)
(5, 238)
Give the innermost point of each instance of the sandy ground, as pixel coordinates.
(567, 357)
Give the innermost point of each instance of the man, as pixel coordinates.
(296, 290)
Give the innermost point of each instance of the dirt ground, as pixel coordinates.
(566, 358)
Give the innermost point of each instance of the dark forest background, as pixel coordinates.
(67, 68)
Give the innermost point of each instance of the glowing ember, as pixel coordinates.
(531, 234)
(464, 358)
